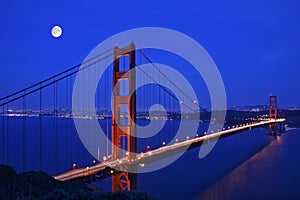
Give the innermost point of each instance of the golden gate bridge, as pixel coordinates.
(34, 115)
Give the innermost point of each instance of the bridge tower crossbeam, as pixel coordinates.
(273, 107)
(125, 99)
(273, 127)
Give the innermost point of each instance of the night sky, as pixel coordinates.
(255, 44)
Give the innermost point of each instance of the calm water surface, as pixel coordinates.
(249, 165)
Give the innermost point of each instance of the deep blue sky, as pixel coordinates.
(255, 44)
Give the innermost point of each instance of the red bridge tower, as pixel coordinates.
(124, 101)
(273, 107)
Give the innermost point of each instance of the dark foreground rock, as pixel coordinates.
(39, 185)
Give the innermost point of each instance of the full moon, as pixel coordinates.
(56, 31)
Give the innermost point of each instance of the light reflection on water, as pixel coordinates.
(189, 177)
(272, 173)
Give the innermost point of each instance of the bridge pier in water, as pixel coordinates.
(124, 101)
(276, 128)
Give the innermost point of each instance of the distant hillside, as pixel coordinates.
(38, 185)
(234, 117)
(250, 108)
(292, 117)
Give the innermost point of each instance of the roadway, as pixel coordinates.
(108, 166)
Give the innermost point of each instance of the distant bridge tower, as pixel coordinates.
(273, 115)
(273, 107)
(122, 101)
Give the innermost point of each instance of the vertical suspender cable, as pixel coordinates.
(174, 115)
(106, 106)
(98, 107)
(170, 113)
(152, 99)
(41, 128)
(84, 112)
(79, 112)
(66, 119)
(69, 120)
(55, 125)
(24, 131)
(3, 134)
(145, 101)
(165, 106)
(7, 133)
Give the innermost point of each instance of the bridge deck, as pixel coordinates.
(105, 167)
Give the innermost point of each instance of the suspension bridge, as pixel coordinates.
(38, 132)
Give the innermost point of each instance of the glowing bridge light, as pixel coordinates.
(141, 164)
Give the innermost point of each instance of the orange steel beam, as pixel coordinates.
(124, 180)
(273, 114)
(273, 107)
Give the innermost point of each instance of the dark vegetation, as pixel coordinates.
(38, 185)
